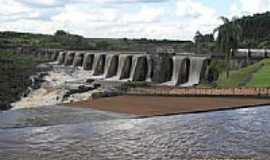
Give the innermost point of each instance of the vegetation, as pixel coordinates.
(256, 29)
(256, 75)
(204, 43)
(64, 40)
(228, 39)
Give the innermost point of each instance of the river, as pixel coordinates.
(58, 132)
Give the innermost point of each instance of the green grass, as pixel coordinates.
(261, 78)
(256, 75)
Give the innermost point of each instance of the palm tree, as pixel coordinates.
(228, 38)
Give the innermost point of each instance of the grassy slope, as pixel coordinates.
(256, 75)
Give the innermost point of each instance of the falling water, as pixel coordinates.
(88, 61)
(196, 64)
(69, 58)
(133, 68)
(61, 58)
(96, 66)
(120, 69)
(78, 60)
(149, 71)
(107, 66)
(177, 62)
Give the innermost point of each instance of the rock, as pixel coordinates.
(104, 93)
(44, 67)
(97, 85)
(5, 107)
(90, 80)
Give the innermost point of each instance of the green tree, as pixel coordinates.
(228, 38)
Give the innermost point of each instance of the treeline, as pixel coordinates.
(255, 34)
(64, 40)
(256, 30)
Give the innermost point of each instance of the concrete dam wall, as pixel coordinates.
(174, 70)
(170, 69)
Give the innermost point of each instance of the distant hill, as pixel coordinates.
(65, 40)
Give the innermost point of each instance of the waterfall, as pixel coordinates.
(69, 58)
(177, 63)
(61, 58)
(133, 68)
(78, 60)
(111, 62)
(107, 65)
(88, 61)
(99, 64)
(120, 69)
(196, 64)
(149, 69)
(54, 55)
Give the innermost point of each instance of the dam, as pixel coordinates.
(165, 68)
(182, 70)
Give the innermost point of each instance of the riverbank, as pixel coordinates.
(157, 105)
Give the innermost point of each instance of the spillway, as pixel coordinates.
(54, 55)
(88, 61)
(78, 60)
(196, 64)
(61, 58)
(107, 65)
(133, 68)
(140, 69)
(123, 66)
(177, 69)
(99, 64)
(111, 66)
(149, 69)
(69, 58)
(183, 70)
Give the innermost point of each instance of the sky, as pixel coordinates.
(153, 19)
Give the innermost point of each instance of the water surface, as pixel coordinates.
(241, 133)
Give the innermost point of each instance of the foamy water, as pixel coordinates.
(55, 86)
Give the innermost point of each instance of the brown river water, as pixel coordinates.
(57, 132)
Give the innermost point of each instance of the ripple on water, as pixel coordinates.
(242, 133)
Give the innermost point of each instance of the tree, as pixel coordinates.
(228, 38)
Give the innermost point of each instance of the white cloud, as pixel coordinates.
(192, 8)
(197, 16)
(247, 7)
(10, 7)
(144, 18)
(146, 14)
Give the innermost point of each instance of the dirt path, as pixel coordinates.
(155, 105)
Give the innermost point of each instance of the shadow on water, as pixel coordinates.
(81, 134)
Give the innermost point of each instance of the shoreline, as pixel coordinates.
(151, 106)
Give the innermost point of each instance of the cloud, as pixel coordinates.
(11, 7)
(197, 16)
(247, 7)
(160, 19)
